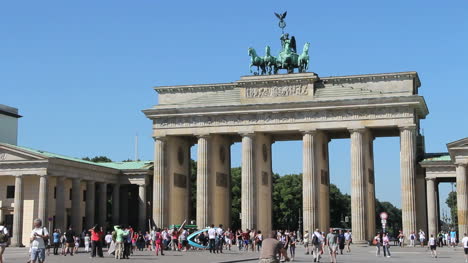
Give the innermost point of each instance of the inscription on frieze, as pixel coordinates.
(261, 92)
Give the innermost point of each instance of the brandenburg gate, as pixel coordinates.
(259, 110)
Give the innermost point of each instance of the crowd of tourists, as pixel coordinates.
(277, 246)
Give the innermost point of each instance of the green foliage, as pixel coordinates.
(235, 197)
(287, 201)
(394, 217)
(452, 204)
(98, 159)
(340, 207)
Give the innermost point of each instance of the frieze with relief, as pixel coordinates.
(281, 117)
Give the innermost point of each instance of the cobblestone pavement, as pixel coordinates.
(358, 254)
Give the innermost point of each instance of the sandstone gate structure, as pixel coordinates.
(259, 110)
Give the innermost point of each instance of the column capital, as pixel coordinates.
(247, 134)
(357, 129)
(430, 179)
(407, 127)
(203, 136)
(311, 132)
(90, 181)
(461, 164)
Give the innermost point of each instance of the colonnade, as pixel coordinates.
(171, 180)
(95, 200)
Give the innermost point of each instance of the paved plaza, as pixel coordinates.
(358, 254)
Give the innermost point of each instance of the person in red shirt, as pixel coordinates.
(96, 245)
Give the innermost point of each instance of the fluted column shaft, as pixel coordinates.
(431, 206)
(310, 182)
(90, 203)
(142, 207)
(102, 204)
(462, 199)
(17, 239)
(42, 206)
(203, 182)
(116, 204)
(60, 211)
(358, 187)
(76, 205)
(408, 178)
(159, 187)
(248, 182)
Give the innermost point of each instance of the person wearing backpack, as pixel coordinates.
(317, 241)
(38, 238)
(3, 240)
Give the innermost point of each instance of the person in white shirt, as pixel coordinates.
(465, 246)
(422, 237)
(348, 239)
(306, 242)
(433, 246)
(38, 235)
(220, 234)
(3, 240)
(87, 241)
(212, 238)
(108, 239)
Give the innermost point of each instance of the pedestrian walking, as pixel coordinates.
(87, 242)
(119, 241)
(56, 241)
(317, 241)
(306, 241)
(348, 240)
(158, 242)
(38, 238)
(465, 246)
(212, 239)
(332, 243)
(341, 241)
(96, 238)
(108, 239)
(386, 245)
(422, 237)
(378, 244)
(70, 241)
(3, 240)
(433, 246)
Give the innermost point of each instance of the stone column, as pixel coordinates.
(60, 213)
(124, 204)
(116, 204)
(310, 182)
(462, 199)
(248, 182)
(358, 187)
(42, 207)
(76, 205)
(370, 181)
(90, 203)
(431, 206)
(203, 219)
(17, 238)
(142, 207)
(408, 178)
(159, 187)
(102, 205)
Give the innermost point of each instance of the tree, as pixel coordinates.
(287, 201)
(98, 159)
(452, 204)
(340, 207)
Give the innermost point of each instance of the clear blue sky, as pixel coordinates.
(81, 71)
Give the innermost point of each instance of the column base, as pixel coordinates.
(361, 242)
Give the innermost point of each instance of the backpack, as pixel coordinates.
(3, 237)
(315, 240)
(46, 239)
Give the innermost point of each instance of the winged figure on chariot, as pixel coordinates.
(287, 59)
